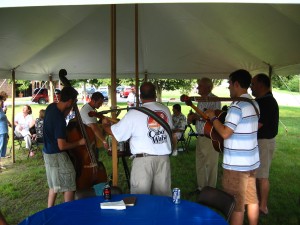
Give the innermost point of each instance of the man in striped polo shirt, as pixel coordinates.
(241, 155)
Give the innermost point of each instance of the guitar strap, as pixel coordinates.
(158, 119)
(217, 99)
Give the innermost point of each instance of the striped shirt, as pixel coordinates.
(241, 148)
(204, 106)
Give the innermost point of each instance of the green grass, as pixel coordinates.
(23, 186)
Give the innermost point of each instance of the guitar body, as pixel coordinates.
(211, 133)
(209, 130)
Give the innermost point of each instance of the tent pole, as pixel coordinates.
(113, 87)
(270, 74)
(13, 78)
(50, 89)
(3, 83)
(137, 94)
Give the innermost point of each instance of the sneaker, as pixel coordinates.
(175, 153)
(2, 167)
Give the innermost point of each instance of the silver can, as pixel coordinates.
(176, 195)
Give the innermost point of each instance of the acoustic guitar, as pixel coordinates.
(209, 130)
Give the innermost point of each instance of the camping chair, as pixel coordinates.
(182, 140)
(191, 134)
(218, 200)
(18, 141)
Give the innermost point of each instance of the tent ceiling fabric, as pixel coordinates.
(186, 40)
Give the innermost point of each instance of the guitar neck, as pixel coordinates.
(197, 110)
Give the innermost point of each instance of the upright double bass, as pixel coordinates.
(89, 171)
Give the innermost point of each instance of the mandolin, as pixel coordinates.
(209, 130)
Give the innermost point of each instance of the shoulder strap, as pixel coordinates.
(158, 119)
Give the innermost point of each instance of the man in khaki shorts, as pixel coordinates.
(241, 155)
(268, 129)
(59, 168)
(150, 144)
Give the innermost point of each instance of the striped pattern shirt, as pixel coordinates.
(204, 106)
(241, 148)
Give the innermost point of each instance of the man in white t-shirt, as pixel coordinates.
(97, 100)
(150, 144)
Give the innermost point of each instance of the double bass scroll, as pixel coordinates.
(209, 130)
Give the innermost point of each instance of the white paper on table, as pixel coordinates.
(119, 205)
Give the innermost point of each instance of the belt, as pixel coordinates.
(144, 155)
(201, 135)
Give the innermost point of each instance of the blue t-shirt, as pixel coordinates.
(54, 128)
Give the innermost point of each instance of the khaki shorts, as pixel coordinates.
(60, 172)
(151, 175)
(242, 186)
(266, 150)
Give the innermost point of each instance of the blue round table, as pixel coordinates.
(148, 210)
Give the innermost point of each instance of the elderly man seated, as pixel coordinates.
(179, 123)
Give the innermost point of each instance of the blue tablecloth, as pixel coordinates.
(148, 210)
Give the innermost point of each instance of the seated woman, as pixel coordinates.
(23, 122)
(39, 124)
(37, 135)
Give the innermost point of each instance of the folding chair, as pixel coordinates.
(218, 200)
(191, 134)
(18, 141)
(182, 140)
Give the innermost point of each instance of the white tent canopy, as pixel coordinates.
(176, 40)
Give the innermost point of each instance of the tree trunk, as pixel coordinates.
(158, 91)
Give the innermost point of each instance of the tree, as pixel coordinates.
(184, 85)
(22, 85)
(290, 83)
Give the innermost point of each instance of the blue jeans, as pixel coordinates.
(3, 144)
